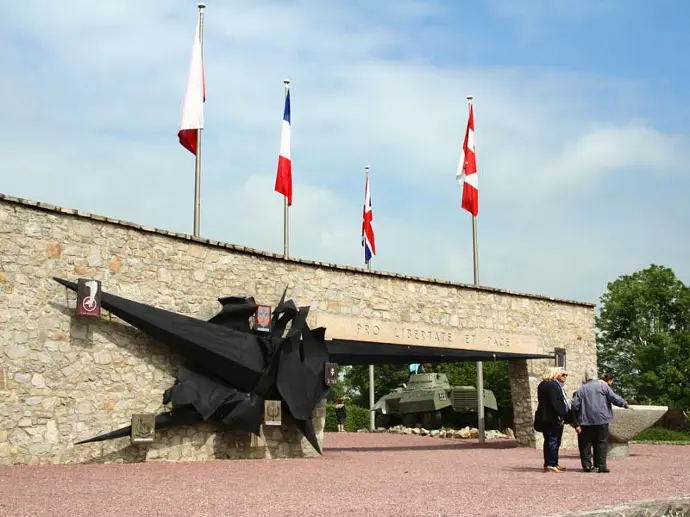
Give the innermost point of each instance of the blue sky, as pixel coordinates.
(581, 113)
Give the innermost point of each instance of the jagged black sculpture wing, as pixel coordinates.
(300, 351)
(225, 352)
(181, 416)
(232, 370)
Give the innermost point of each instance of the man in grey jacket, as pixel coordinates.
(592, 405)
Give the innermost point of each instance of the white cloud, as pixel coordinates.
(614, 148)
(91, 120)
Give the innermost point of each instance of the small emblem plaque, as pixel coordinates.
(272, 412)
(89, 297)
(263, 318)
(331, 373)
(143, 428)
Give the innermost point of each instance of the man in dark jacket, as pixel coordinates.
(551, 415)
(592, 404)
(582, 443)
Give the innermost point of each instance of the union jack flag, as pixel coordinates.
(367, 225)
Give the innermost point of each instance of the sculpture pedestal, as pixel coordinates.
(628, 423)
(617, 450)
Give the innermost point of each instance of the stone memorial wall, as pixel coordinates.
(63, 379)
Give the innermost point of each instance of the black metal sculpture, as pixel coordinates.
(232, 369)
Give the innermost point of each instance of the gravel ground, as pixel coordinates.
(360, 474)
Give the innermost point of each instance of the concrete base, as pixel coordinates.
(617, 450)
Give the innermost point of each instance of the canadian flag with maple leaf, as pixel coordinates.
(467, 170)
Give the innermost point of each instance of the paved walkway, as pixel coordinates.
(360, 474)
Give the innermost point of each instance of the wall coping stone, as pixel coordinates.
(678, 506)
(276, 256)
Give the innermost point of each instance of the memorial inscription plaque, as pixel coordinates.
(420, 334)
(272, 412)
(143, 427)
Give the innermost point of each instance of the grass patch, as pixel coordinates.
(662, 435)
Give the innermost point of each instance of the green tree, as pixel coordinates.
(386, 378)
(644, 336)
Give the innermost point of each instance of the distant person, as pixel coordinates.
(608, 379)
(551, 415)
(341, 414)
(592, 404)
(415, 368)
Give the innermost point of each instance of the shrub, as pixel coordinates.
(357, 418)
(673, 419)
(661, 434)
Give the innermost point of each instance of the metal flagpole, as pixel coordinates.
(372, 421)
(286, 208)
(197, 165)
(480, 366)
(286, 224)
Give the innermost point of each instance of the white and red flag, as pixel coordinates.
(284, 174)
(467, 170)
(195, 96)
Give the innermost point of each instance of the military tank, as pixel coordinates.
(428, 399)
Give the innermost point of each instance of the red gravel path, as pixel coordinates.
(360, 474)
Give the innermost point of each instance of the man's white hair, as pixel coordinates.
(590, 373)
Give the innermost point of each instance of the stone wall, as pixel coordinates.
(64, 380)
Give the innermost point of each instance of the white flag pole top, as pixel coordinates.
(195, 95)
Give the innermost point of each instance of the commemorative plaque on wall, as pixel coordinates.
(143, 427)
(262, 318)
(331, 373)
(272, 412)
(89, 297)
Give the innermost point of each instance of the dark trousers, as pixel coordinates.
(585, 448)
(593, 437)
(552, 443)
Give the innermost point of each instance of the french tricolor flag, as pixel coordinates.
(284, 175)
(367, 225)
